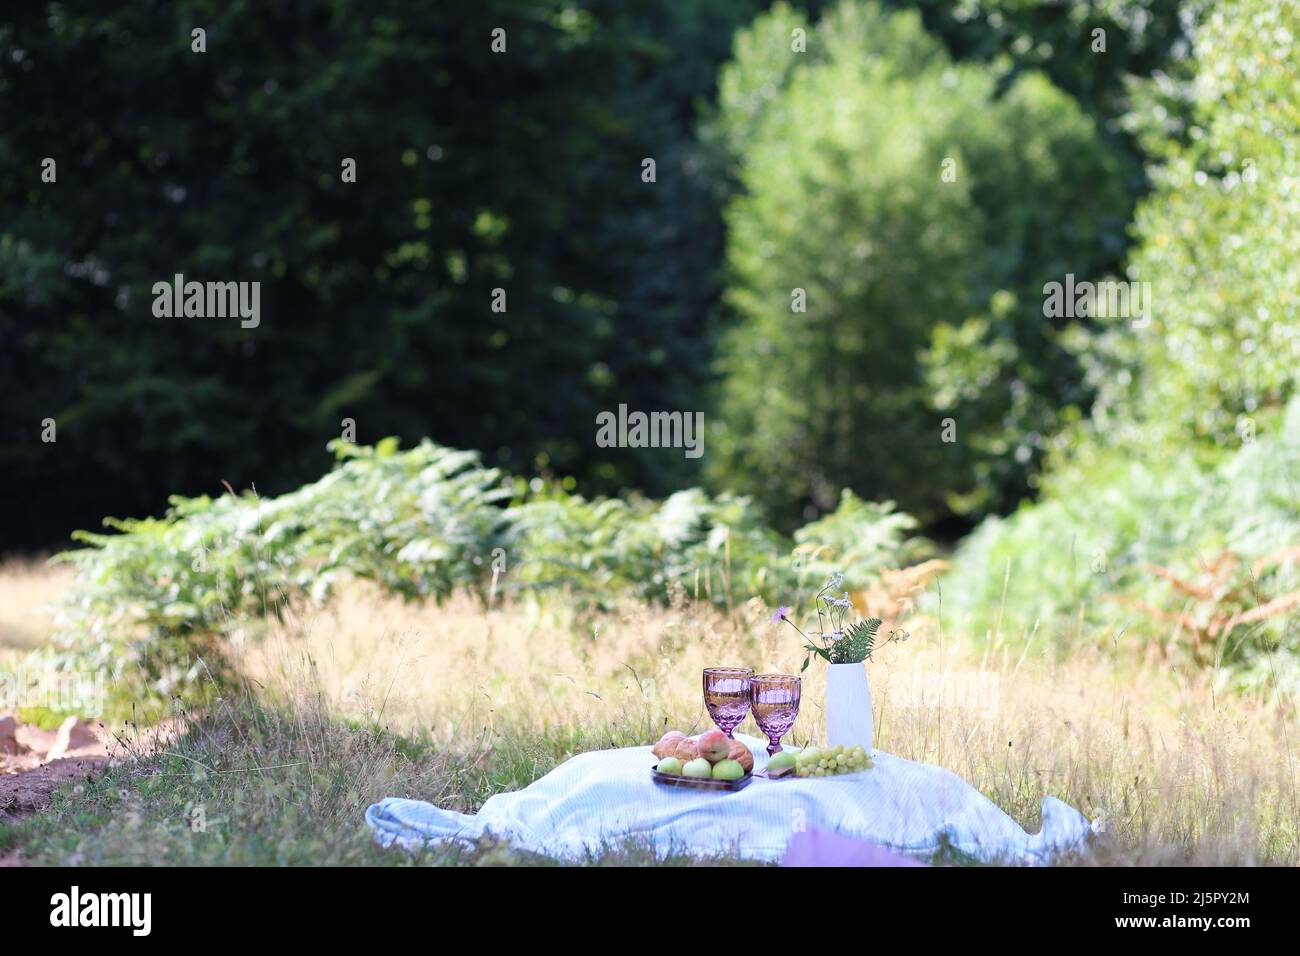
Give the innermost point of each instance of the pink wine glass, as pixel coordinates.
(726, 695)
(775, 702)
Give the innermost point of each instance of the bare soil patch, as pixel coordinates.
(33, 762)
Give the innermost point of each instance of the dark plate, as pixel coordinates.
(701, 783)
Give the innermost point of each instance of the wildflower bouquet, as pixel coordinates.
(835, 643)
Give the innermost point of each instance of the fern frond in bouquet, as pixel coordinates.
(857, 643)
(837, 644)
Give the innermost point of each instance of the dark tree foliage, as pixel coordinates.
(1059, 37)
(476, 171)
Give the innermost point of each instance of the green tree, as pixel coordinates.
(1219, 241)
(920, 206)
(1089, 48)
(476, 170)
(1190, 457)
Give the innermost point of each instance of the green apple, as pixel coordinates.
(728, 770)
(699, 767)
(780, 760)
(670, 765)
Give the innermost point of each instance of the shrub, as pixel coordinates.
(158, 601)
(154, 597)
(1124, 527)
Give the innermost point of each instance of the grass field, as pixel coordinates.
(372, 697)
(26, 587)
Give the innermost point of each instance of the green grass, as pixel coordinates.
(253, 784)
(456, 703)
(286, 785)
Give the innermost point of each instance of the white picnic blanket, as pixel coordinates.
(606, 798)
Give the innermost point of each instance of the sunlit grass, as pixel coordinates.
(373, 697)
(26, 587)
(1181, 770)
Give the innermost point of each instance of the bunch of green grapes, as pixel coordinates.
(829, 761)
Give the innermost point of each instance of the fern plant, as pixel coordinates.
(158, 602)
(857, 643)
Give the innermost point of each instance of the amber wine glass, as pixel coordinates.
(775, 702)
(726, 695)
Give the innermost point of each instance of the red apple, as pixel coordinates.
(714, 746)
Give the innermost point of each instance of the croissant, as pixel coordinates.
(686, 750)
(667, 744)
(742, 755)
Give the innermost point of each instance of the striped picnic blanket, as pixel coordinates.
(606, 798)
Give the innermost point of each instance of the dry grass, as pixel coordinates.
(1181, 772)
(27, 585)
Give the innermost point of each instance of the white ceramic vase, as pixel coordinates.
(848, 706)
